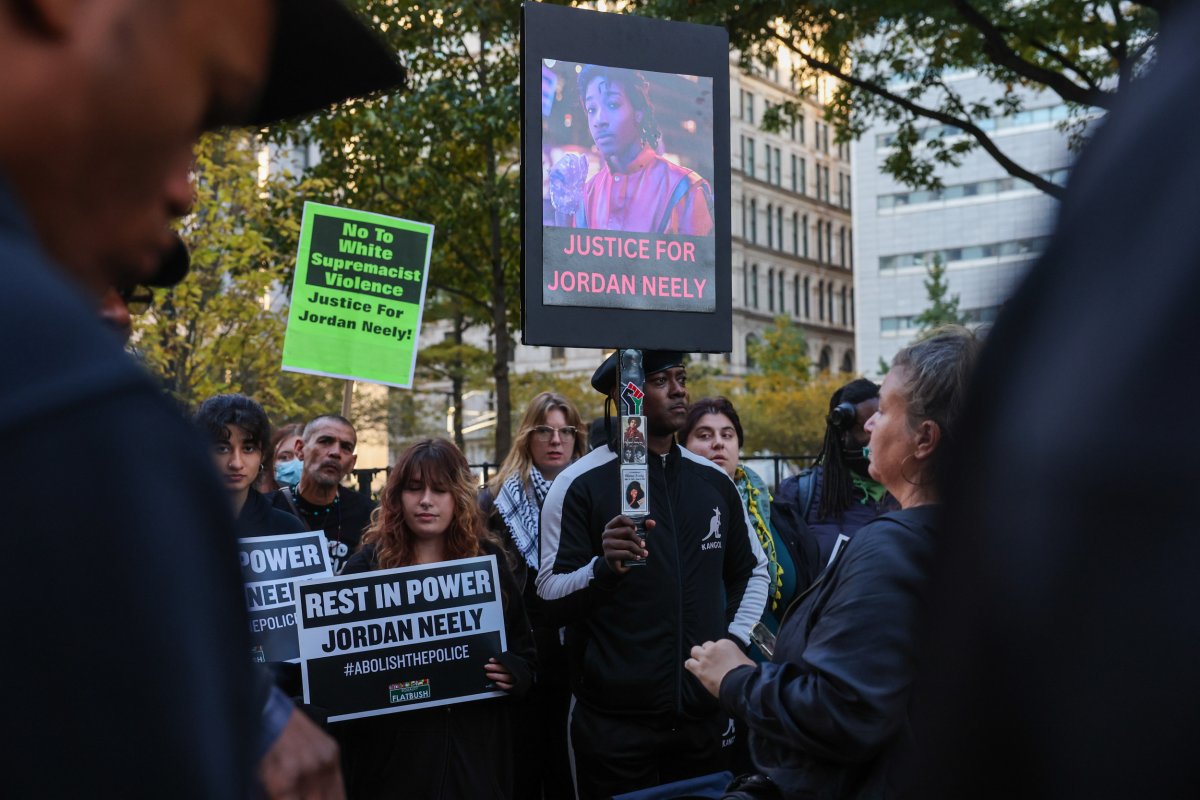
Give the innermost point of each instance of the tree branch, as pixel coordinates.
(1042, 47)
(998, 50)
(966, 126)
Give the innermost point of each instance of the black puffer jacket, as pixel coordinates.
(828, 717)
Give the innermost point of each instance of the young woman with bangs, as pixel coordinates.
(428, 513)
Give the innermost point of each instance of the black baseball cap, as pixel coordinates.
(605, 376)
(322, 54)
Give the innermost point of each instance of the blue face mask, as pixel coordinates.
(287, 473)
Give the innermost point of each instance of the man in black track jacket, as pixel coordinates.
(640, 719)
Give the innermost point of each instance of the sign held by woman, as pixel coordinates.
(398, 639)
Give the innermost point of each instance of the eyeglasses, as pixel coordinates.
(544, 433)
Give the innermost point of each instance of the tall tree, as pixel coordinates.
(943, 308)
(444, 152)
(781, 405)
(221, 329)
(893, 60)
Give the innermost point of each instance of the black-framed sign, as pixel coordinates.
(271, 568)
(394, 640)
(626, 237)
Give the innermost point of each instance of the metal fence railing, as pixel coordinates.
(771, 468)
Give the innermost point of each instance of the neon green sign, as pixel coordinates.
(357, 296)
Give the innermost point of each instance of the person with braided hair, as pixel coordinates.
(836, 497)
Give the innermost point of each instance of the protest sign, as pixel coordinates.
(357, 296)
(627, 235)
(394, 640)
(271, 567)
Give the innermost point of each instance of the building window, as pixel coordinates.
(826, 357)
(796, 295)
(771, 290)
(828, 242)
(767, 156)
(804, 233)
(751, 342)
(745, 286)
(777, 176)
(748, 165)
(779, 225)
(829, 299)
(800, 126)
(1000, 251)
(966, 192)
(821, 301)
(745, 230)
(845, 318)
(807, 298)
(796, 233)
(851, 306)
(848, 362)
(794, 176)
(754, 285)
(782, 302)
(842, 245)
(747, 110)
(558, 355)
(770, 225)
(820, 240)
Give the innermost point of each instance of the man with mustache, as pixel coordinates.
(640, 719)
(322, 503)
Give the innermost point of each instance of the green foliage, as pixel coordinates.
(780, 356)
(943, 306)
(575, 386)
(221, 329)
(774, 400)
(445, 152)
(894, 60)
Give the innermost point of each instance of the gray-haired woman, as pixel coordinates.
(828, 716)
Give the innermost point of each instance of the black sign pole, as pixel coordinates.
(635, 477)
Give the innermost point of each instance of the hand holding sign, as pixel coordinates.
(621, 542)
(500, 675)
(567, 177)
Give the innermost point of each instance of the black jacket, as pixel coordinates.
(705, 579)
(259, 518)
(455, 751)
(828, 717)
(130, 654)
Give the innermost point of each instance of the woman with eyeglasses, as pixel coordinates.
(551, 436)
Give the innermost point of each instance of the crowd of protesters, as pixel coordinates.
(621, 680)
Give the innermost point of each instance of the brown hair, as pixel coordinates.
(710, 405)
(439, 464)
(520, 455)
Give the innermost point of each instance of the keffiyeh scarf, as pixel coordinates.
(521, 508)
